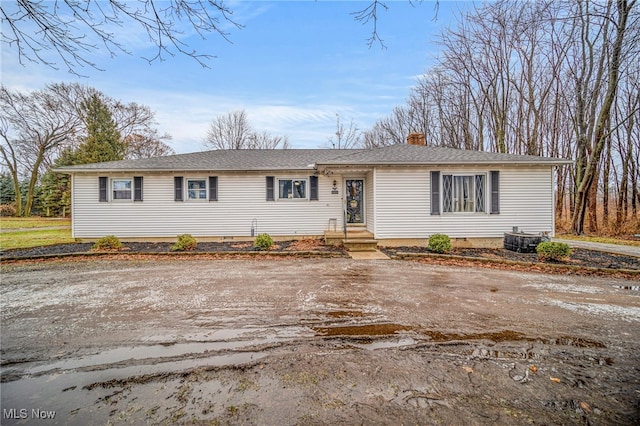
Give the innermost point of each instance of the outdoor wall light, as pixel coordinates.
(335, 185)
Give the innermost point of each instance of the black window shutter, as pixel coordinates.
(480, 192)
(313, 188)
(137, 188)
(495, 192)
(102, 184)
(435, 193)
(177, 188)
(213, 188)
(270, 189)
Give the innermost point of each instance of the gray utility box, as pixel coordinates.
(521, 242)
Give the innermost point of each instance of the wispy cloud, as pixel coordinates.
(187, 116)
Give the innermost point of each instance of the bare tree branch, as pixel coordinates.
(370, 15)
(72, 29)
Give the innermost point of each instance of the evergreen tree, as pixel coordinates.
(7, 192)
(55, 188)
(103, 141)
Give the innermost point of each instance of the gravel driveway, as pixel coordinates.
(315, 341)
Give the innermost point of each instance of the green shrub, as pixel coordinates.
(185, 242)
(439, 243)
(110, 242)
(558, 252)
(263, 242)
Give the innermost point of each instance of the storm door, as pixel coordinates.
(355, 200)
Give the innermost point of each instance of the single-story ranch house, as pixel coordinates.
(399, 194)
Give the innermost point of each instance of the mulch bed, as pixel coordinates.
(579, 257)
(165, 247)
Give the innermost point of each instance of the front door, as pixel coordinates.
(355, 200)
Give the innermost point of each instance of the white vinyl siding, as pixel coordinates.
(370, 202)
(241, 199)
(403, 204)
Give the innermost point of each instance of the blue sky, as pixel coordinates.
(293, 67)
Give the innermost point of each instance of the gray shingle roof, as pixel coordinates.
(308, 159)
(413, 154)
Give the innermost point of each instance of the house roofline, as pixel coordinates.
(550, 162)
(317, 166)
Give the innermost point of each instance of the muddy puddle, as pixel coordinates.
(66, 392)
(142, 354)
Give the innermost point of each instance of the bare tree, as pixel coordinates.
(345, 137)
(147, 145)
(593, 134)
(265, 140)
(32, 126)
(233, 131)
(71, 29)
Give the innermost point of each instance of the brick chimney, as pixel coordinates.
(416, 139)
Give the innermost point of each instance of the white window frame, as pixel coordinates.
(471, 175)
(205, 189)
(291, 197)
(112, 189)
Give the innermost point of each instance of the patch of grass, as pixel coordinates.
(606, 240)
(36, 238)
(32, 222)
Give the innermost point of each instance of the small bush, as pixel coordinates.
(263, 242)
(110, 242)
(439, 243)
(185, 242)
(558, 252)
(7, 210)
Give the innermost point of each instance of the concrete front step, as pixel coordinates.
(338, 237)
(360, 244)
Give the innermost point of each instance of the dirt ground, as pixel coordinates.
(314, 341)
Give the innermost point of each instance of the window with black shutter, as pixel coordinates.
(137, 188)
(495, 192)
(270, 189)
(435, 193)
(103, 184)
(313, 188)
(213, 188)
(177, 188)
